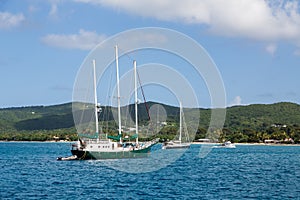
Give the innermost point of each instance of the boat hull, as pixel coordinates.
(227, 144)
(225, 147)
(176, 146)
(95, 155)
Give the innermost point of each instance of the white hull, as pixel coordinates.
(227, 144)
(171, 145)
(111, 150)
(229, 147)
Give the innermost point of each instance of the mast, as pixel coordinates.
(136, 103)
(180, 121)
(95, 96)
(118, 91)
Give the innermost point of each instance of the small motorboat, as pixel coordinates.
(226, 144)
(73, 157)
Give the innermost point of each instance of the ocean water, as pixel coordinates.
(30, 171)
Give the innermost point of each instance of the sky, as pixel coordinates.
(255, 44)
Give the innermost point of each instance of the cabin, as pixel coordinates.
(279, 125)
(56, 138)
(271, 141)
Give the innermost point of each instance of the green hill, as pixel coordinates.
(252, 123)
(260, 115)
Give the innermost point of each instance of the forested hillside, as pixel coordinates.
(252, 123)
(37, 123)
(255, 123)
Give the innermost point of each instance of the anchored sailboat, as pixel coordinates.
(112, 147)
(178, 144)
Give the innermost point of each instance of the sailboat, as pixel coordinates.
(112, 147)
(178, 144)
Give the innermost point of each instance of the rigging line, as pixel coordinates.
(107, 97)
(132, 59)
(126, 54)
(129, 111)
(139, 80)
(143, 94)
(85, 107)
(185, 128)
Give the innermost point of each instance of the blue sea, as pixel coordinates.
(30, 170)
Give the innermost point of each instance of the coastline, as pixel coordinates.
(246, 144)
(196, 143)
(47, 141)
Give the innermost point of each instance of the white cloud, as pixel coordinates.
(53, 10)
(8, 20)
(32, 8)
(297, 52)
(265, 20)
(237, 101)
(271, 48)
(84, 40)
(141, 37)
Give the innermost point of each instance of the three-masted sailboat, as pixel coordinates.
(178, 144)
(112, 147)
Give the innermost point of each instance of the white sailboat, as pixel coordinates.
(178, 144)
(112, 147)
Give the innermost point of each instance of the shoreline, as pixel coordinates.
(247, 144)
(196, 143)
(47, 141)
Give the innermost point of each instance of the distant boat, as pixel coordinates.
(178, 144)
(112, 147)
(175, 145)
(226, 144)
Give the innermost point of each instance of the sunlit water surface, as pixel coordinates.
(30, 171)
